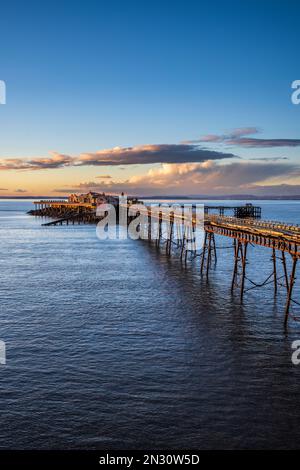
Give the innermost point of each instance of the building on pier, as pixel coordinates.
(89, 198)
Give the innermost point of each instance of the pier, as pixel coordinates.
(64, 212)
(248, 210)
(244, 228)
(281, 238)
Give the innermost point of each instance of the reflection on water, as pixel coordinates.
(113, 345)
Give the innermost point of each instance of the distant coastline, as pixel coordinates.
(33, 197)
(247, 197)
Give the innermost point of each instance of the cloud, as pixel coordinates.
(143, 154)
(56, 160)
(268, 159)
(278, 190)
(3, 189)
(188, 152)
(239, 137)
(21, 190)
(194, 179)
(149, 154)
(82, 187)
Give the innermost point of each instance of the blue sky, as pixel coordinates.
(83, 76)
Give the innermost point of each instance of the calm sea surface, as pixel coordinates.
(112, 345)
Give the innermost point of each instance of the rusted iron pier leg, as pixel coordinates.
(178, 236)
(244, 260)
(188, 237)
(285, 270)
(192, 238)
(159, 229)
(203, 252)
(274, 271)
(183, 244)
(208, 253)
(149, 227)
(170, 237)
(290, 291)
(214, 247)
(236, 261)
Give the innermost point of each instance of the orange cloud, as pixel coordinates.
(195, 178)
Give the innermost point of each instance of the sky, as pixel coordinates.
(150, 98)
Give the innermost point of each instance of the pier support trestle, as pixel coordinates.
(209, 252)
(178, 233)
(239, 267)
(291, 283)
(174, 236)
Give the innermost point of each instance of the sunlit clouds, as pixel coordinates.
(198, 167)
(55, 160)
(206, 178)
